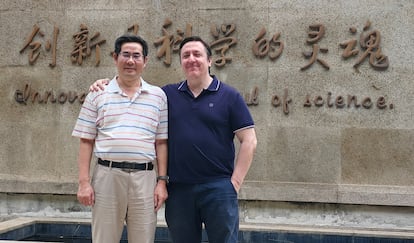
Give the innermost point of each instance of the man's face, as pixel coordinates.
(130, 61)
(194, 60)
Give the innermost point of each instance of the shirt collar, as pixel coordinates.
(214, 86)
(113, 86)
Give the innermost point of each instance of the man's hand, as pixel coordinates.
(86, 195)
(160, 194)
(236, 184)
(99, 85)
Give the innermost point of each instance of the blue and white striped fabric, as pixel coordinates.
(124, 129)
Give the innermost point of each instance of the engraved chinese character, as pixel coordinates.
(262, 47)
(315, 33)
(36, 45)
(83, 46)
(223, 44)
(370, 43)
(169, 43)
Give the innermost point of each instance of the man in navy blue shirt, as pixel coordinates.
(205, 174)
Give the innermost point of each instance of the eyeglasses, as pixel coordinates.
(127, 56)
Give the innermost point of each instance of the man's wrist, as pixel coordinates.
(84, 180)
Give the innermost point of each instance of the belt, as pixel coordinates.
(126, 166)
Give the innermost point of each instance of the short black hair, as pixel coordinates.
(131, 38)
(196, 38)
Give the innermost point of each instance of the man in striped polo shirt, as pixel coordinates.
(126, 128)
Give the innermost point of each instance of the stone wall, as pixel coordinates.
(331, 129)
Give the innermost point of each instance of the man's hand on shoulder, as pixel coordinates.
(99, 85)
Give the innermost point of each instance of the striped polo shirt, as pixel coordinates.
(124, 129)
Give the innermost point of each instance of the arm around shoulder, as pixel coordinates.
(99, 85)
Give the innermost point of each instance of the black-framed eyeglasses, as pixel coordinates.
(127, 55)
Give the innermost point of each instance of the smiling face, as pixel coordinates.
(194, 60)
(130, 61)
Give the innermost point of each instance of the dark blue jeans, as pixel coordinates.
(214, 204)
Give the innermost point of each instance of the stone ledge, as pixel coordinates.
(41, 187)
(328, 193)
(264, 191)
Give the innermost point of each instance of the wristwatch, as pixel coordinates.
(163, 178)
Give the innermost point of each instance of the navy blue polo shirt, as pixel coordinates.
(201, 131)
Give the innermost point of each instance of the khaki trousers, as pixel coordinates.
(123, 198)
